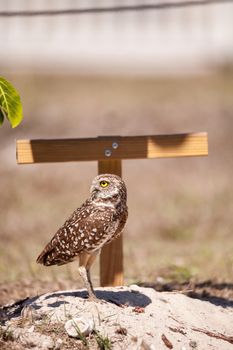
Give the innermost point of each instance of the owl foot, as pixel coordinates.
(96, 300)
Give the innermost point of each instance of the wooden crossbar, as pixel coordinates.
(112, 147)
(109, 151)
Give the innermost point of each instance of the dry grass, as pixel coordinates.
(181, 210)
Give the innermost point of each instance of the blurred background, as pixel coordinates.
(167, 69)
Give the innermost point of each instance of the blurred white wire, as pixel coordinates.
(119, 40)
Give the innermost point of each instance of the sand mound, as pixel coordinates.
(127, 318)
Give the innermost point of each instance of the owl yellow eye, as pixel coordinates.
(104, 183)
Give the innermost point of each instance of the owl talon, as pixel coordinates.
(95, 299)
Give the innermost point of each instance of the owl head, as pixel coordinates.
(108, 186)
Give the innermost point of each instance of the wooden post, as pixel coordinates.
(111, 258)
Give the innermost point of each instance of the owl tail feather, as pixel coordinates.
(48, 257)
(45, 257)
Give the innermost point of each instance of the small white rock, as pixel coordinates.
(160, 279)
(79, 324)
(146, 346)
(134, 288)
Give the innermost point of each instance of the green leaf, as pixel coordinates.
(1, 116)
(10, 104)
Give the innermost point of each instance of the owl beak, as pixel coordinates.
(94, 189)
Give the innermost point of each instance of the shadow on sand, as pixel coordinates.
(119, 298)
(219, 294)
(125, 298)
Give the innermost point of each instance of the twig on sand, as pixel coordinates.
(166, 342)
(221, 336)
(177, 330)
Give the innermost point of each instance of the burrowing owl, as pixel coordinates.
(97, 222)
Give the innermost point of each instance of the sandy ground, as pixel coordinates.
(126, 318)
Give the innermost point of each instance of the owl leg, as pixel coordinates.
(90, 261)
(84, 272)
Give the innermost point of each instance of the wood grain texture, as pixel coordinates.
(111, 257)
(129, 147)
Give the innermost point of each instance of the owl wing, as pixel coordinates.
(83, 231)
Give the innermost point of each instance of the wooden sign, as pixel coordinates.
(109, 151)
